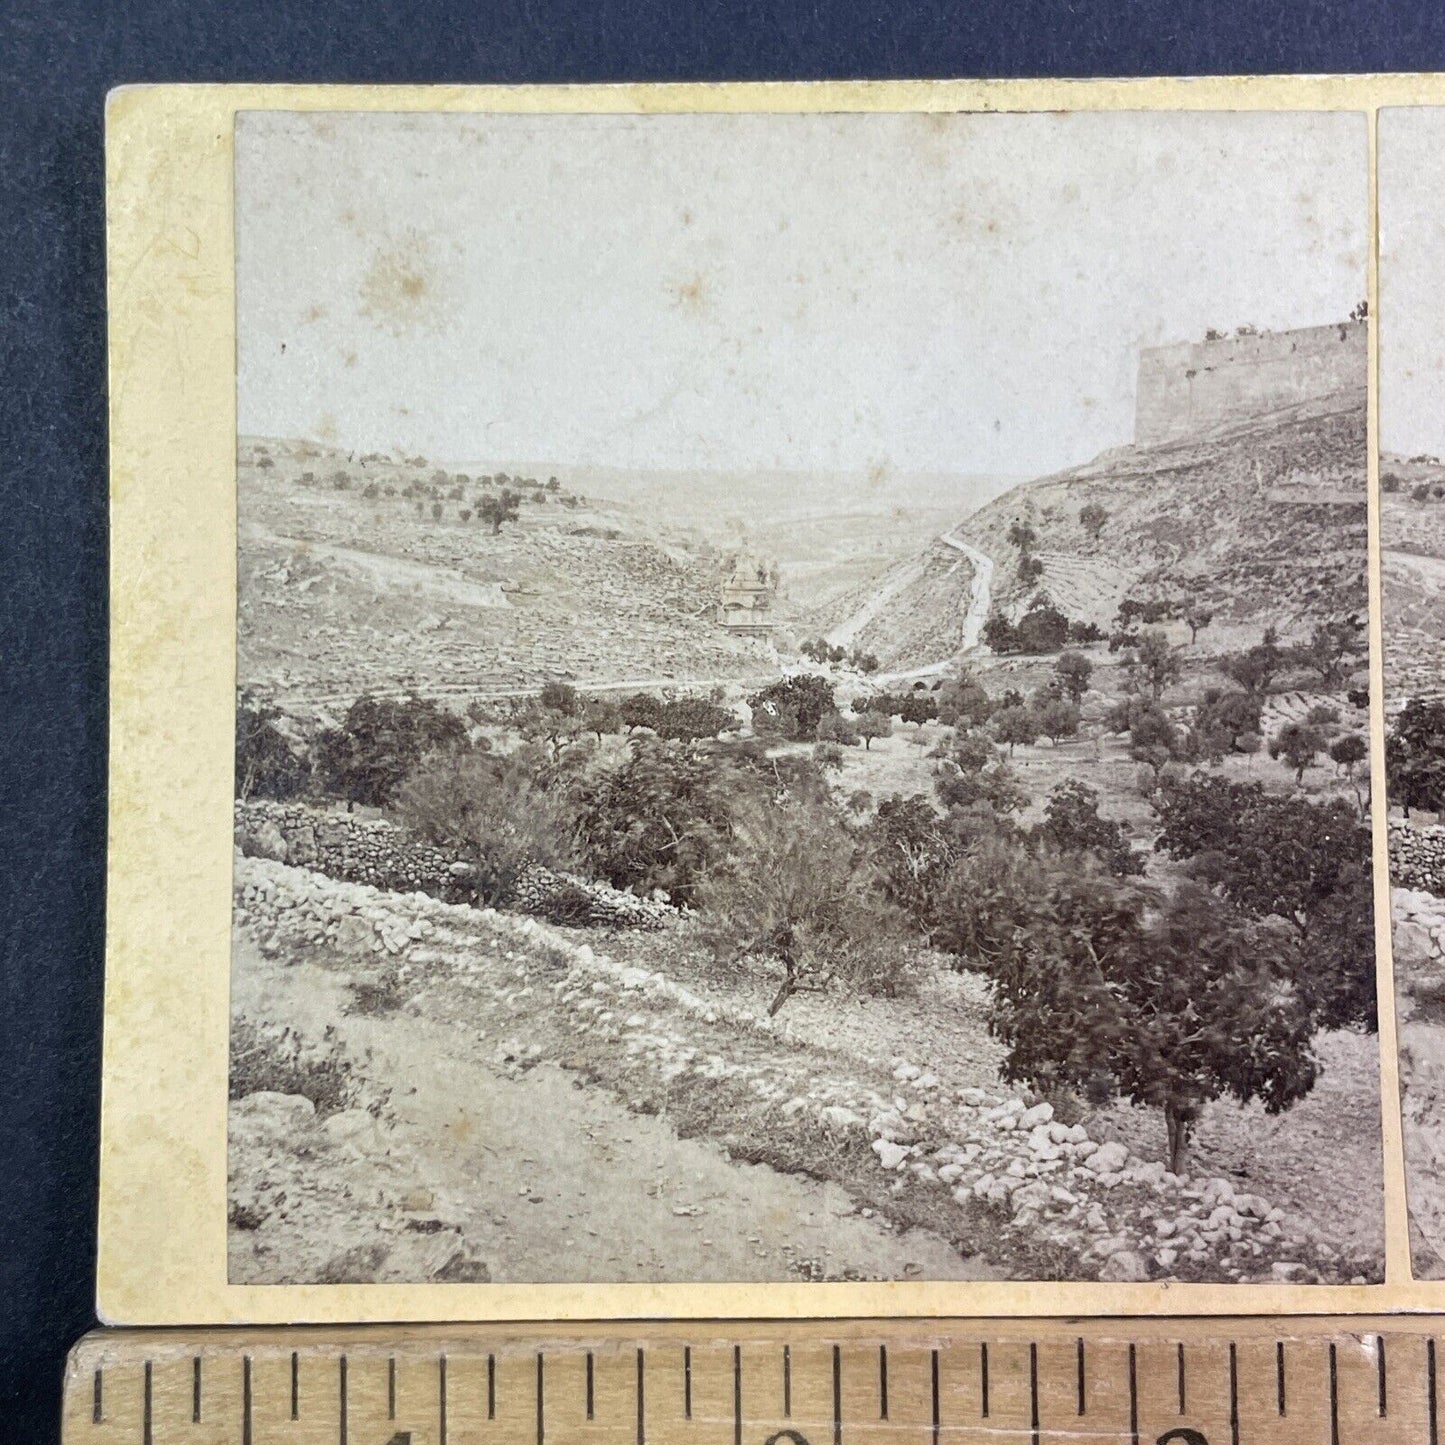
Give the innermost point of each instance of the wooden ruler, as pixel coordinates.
(1284, 1381)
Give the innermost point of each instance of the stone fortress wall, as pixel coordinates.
(1190, 388)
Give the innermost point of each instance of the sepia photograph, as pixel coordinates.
(802, 698)
(1412, 581)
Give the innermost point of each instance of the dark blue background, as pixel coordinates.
(57, 62)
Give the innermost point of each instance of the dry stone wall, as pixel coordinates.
(375, 852)
(1417, 857)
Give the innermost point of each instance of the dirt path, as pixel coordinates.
(548, 1179)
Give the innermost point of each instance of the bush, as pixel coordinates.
(795, 705)
(660, 819)
(268, 764)
(1415, 757)
(379, 743)
(1072, 825)
(1178, 1010)
(795, 888)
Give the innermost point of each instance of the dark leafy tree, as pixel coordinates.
(1156, 664)
(1197, 617)
(642, 710)
(1177, 1010)
(379, 743)
(1043, 628)
(1297, 745)
(1057, 719)
(1348, 752)
(1415, 756)
(268, 763)
(1072, 825)
(801, 700)
(1073, 671)
(1335, 650)
(499, 509)
(1291, 858)
(689, 718)
(1255, 669)
(1015, 725)
(999, 634)
(873, 725)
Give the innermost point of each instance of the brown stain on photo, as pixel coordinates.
(399, 289)
(692, 294)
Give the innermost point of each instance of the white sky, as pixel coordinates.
(961, 294)
(1412, 281)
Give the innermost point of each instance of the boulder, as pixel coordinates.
(1125, 1267)
(1107, 1159)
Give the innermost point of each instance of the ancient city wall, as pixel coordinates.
(1192, 387)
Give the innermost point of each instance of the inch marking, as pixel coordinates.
(1380, 1371)
(1079, 1372)
(737, 1395)
(983, 1378)
(590, 1401)
(787, 1382)
(442, 1400)
(837, 1396)
(295, 1384)
(541, 1422)
(1429, 1390)
(1179, 1366)
(1233, 1393)
(491, 1387)
(687, 1382)
(1279, 1375)
(147, 1424)
(341, 1392)
(641, 1409)
(246, 1403)
(1034, 1391)
(196, 1391)
(937, 1421)
(1334, 1397)
(1133, 1398)
(97, 1413)
(882, 1382)
(390, 1387)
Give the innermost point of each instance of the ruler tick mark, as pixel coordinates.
(541, 1421)
(1079, 1372)
(295, 1385)
(442, 1400)
(196, 1391)
(1430, 1403)
(391, 1387)
(1380, 1371)
(933, 1371)
(737, 1395)
(147, 1421)
(983, 1379)
(1279, 1376)
(1034, 1391)
(641, 1406)
(246, 1403)
(1133, 1398)
(687, 1382)
(1334, 1397)
(1233, 1394)
(837, 1396)
(97, 1413)
(491, 1387)
(590, 1368)
(787, 1382)
(341, 1395)
(882, 1382)
(1179, 1367)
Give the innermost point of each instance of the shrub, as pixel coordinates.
(379, 743)
(268, 764)
(1072, 825)
(490, 810)
(796, 704)
(1179, 1010)
(267, 1059)
(1415, 756)
(1073, 671)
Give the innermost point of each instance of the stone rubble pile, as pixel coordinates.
(1417, 857)
(1128, 1218)
(1419, 924)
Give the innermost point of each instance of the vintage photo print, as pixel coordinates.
(1412, 568)
(802, 699)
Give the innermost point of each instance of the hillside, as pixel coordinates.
(1266, 521)
(1412, 555)
(372, 574)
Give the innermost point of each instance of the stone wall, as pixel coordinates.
(1417, 857)
(375, 852)
(1190, 388)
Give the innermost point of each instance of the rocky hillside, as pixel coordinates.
(1267, 520)
(1412, 542)
(380, 574)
